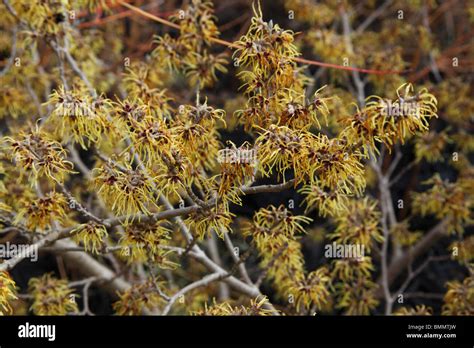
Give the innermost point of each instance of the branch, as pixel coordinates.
(216, 257)
(79, 163)
(401, 262)
(373, 16)
(88, 266)
(241, 265)
(412, 274)
(202, 282)
(72, 62)
(403, 172)
(74, 204)
(267, 188)
(163, 215)
(265, 271)
(66, 232)
(51, 238)
(384, 197)
(395, 161)
(236, 284)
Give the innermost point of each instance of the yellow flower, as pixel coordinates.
(189, 52)
(39, 155)
(408, 114)
(275, 221)
(430, 146)
(41, 212)
(463, 251)
(201, 68)
(44, 16)
(352, 268)
(77, 116)
(274, 231)
(264, 44)
(92, 235)
(273, 82)
(139, 297)
(312, 289)
(357, 297)
(150, 139)
(7, 293)
(333, 163)
(282, 148)
(237, 167)
(196, 22)
(418, 310)
(204, 221)
(51, 296)
(326, 200)
(127, 192)
(451, 200)
(297, 114)
(459, 299)
(386, 121)
(143, 242)
(402, 235)
(173, 175)
(358, 224)
(255, 308)
(142, 81)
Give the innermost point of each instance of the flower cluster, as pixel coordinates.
(140, 297)
(7, 293)
(403, 236)
(92, 235)
(273, 84)
(128, 191)
(357, 297)
(216, 218)
(359, 224)
(418, 310)
(45, 17)
(40, 213)
(274, 232)
(255, 308)
(385, 121)
(238, 167)
(189, 52)
(459, 299)
(143, 242)
(51, 296)
(430, 146)
(77, 116)
(312, 289)
(39, 155)
(446, 200)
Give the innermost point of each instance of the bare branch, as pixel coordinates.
(268, 188)
(373, 16)
(201, 282)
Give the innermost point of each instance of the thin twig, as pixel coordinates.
(373, 16)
